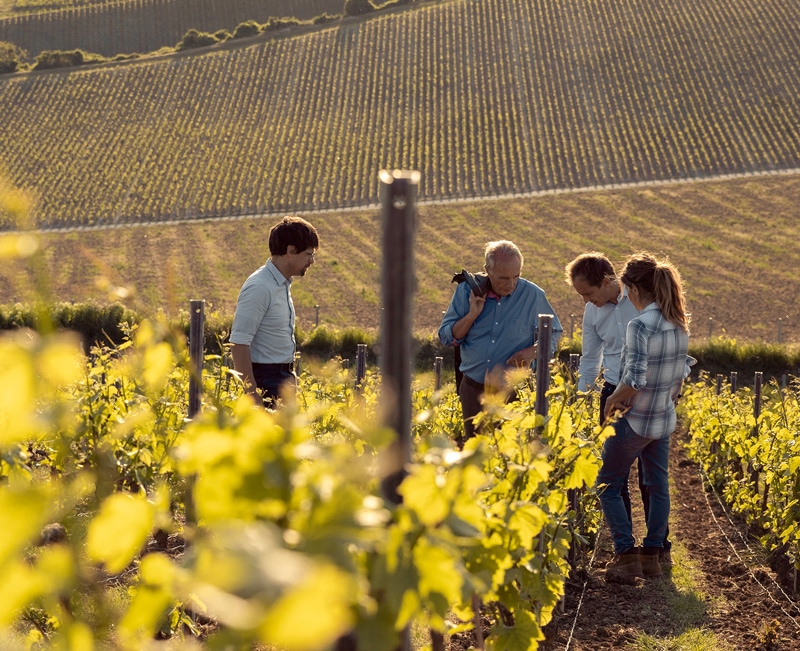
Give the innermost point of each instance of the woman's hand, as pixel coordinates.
(619, 403)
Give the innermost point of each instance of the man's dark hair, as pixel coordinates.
(592, 267)
(292, 231)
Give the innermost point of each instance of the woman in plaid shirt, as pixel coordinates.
(652, 370)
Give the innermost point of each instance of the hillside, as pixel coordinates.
(735, 241)
(111, 28)
(484, 98)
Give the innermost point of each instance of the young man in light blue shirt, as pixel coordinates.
(262, 333)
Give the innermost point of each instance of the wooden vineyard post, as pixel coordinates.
(196, 340)
(398, 217)
(543, 363)
(361, 365)
(756, 413)
(398, 192)
(574, 362)
(197, 312)
(734, 378)
(720, 378)
(437, 373)
(757, 398)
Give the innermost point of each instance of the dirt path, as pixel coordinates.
(736, 595)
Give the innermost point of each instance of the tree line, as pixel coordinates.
(13, 58)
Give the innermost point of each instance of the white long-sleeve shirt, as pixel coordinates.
(603, 336)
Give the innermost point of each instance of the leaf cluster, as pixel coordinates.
(280, 513)
(750, 455)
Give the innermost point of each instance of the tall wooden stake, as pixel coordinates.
(398, 215)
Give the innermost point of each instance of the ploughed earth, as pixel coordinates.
(744, 597)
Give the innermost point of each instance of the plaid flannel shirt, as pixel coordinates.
(654, 362)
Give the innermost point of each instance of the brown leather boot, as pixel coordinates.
(625, 565)
(649, 560)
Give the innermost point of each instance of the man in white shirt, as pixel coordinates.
(262, 334)
(605, 320)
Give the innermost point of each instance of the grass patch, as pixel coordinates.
(688, 606)
(687, 602)
(694, 640)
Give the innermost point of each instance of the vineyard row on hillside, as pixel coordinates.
(482, 98)
(746, 444)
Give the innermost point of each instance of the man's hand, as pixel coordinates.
(523, 358)
(476, 304)
(243, 365)
(462, 326)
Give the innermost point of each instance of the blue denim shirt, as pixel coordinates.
(505, 326)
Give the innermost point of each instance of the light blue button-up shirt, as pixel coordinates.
(506, 325)
(264, 317)
(603, 336)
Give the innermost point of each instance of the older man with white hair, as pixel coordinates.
(494, 325)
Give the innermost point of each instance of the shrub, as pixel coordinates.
(721, 355)
(222, 35)
(95, 323)
(357, 7)
(193, 39)
(247, 29)
(324, 18)
(65, 59)
(11, 57)
(274, 24)
(48, 59)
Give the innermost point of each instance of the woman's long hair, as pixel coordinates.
(661, 280)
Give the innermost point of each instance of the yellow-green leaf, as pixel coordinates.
(583, 473)
(438, 570)
(527, 521)
(423, 492)
(327, 592)
(523, 636)
(119, 531)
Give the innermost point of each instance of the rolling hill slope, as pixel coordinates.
(483, 98)
(736, 242)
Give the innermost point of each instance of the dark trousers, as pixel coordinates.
(271, 379)
(469, 393)
(607, 390)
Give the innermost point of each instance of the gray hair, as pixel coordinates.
(501, 249)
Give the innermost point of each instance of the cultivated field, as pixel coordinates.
(735, 241)
(483, 98)
(111, 28)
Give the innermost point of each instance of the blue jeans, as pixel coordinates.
(619, 453)
(607, 390)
